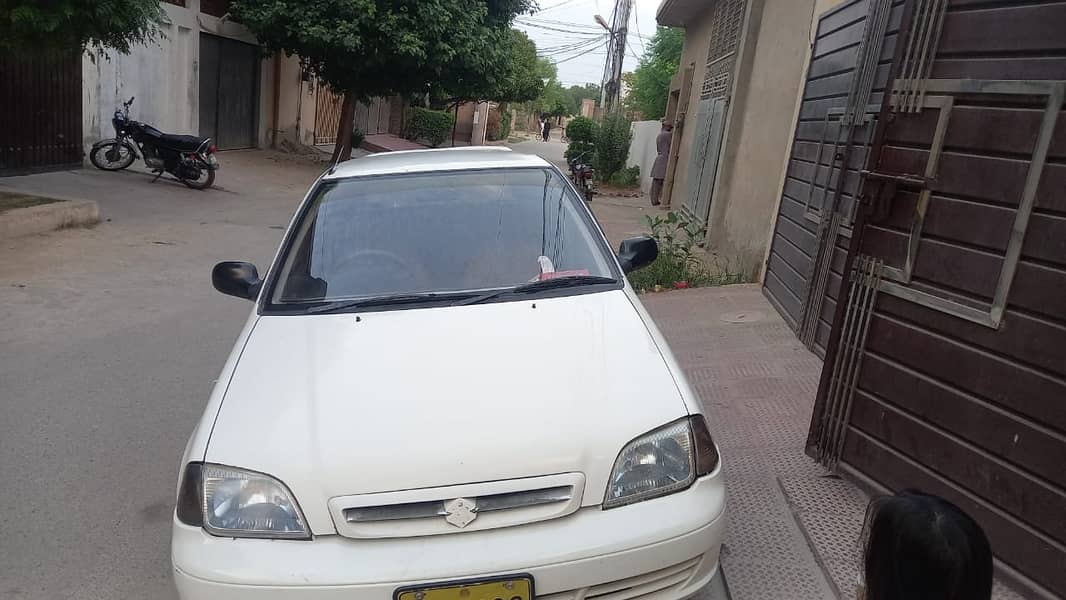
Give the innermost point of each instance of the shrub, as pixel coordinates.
(433, 126)
(628, 177)
(581, 132)
(358, 137)
(581, 129)
(612, 146)
(679, 240)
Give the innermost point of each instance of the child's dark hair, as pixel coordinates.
(922, 547)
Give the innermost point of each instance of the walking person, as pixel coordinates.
(658, 168)
(547, 128)
(921, 547)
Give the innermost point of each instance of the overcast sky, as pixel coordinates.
(565, 30)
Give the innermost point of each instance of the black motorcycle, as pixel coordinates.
(189, 158)
(581, 173)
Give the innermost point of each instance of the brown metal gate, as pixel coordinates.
(40, 123)
(846, 78)
(947, 367)
(328, 106)
(374, 117)
(229, 91)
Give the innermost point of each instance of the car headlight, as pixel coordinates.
(232, 502)
(661, 462)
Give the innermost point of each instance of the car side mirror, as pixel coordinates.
(637, 252)
(236, 278)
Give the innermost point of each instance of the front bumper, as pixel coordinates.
(661, 549)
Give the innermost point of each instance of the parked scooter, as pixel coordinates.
(581, 173)
(189, 158)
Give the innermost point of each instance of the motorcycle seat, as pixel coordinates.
(181, 142)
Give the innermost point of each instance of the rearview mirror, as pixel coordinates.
(236, 278)
(637, 252)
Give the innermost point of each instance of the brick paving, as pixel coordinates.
(793, 527)
(757, 387)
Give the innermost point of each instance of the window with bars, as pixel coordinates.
(727, 21)
(215, 8)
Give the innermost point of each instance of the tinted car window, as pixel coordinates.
(438, 232)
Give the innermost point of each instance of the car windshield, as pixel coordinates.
(440, 232)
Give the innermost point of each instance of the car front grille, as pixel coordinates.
(661, 583)
(480, 504)
(472, 507)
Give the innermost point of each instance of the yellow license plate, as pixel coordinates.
(518, 587)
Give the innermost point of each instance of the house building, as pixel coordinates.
(914, 241)
(204, 75)
(732, 102)
(588, 107)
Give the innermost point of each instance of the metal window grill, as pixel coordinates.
(727, 21)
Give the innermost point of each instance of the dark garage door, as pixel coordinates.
(845, 84)
(229, 91)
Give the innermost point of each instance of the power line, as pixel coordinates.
(557, 22)
(571, 46)
(590, 50)
(554, 6)
(558, 29)
(632, 52)
(640, 38)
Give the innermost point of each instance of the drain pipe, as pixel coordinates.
(277, 100)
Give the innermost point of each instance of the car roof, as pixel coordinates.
(441, 159)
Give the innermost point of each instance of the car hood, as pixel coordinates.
(342, 404)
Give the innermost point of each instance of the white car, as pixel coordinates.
(447, 390)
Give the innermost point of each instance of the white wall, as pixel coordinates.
(164, 78)
(642, 149)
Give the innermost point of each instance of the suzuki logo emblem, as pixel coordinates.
(460, 511)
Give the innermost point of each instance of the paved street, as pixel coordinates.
(110, 339)
(552, 150)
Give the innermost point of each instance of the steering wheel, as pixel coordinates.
(378, 261)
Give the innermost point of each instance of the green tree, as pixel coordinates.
(649, 84)
(59, 25)
(368, 48)
(581, 133)
(509, 73)
(554, 100)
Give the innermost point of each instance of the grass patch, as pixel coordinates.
(666, 274)
(12, 201)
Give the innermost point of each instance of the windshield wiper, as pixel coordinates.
(537, 286)
(343, 305)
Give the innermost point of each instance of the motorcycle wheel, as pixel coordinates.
(589, 193)
(206, 180)
(112, 156)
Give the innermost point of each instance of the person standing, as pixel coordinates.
(658, 168)
(918, 546)
(547, 128)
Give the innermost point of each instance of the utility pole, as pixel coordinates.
(611, 84)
